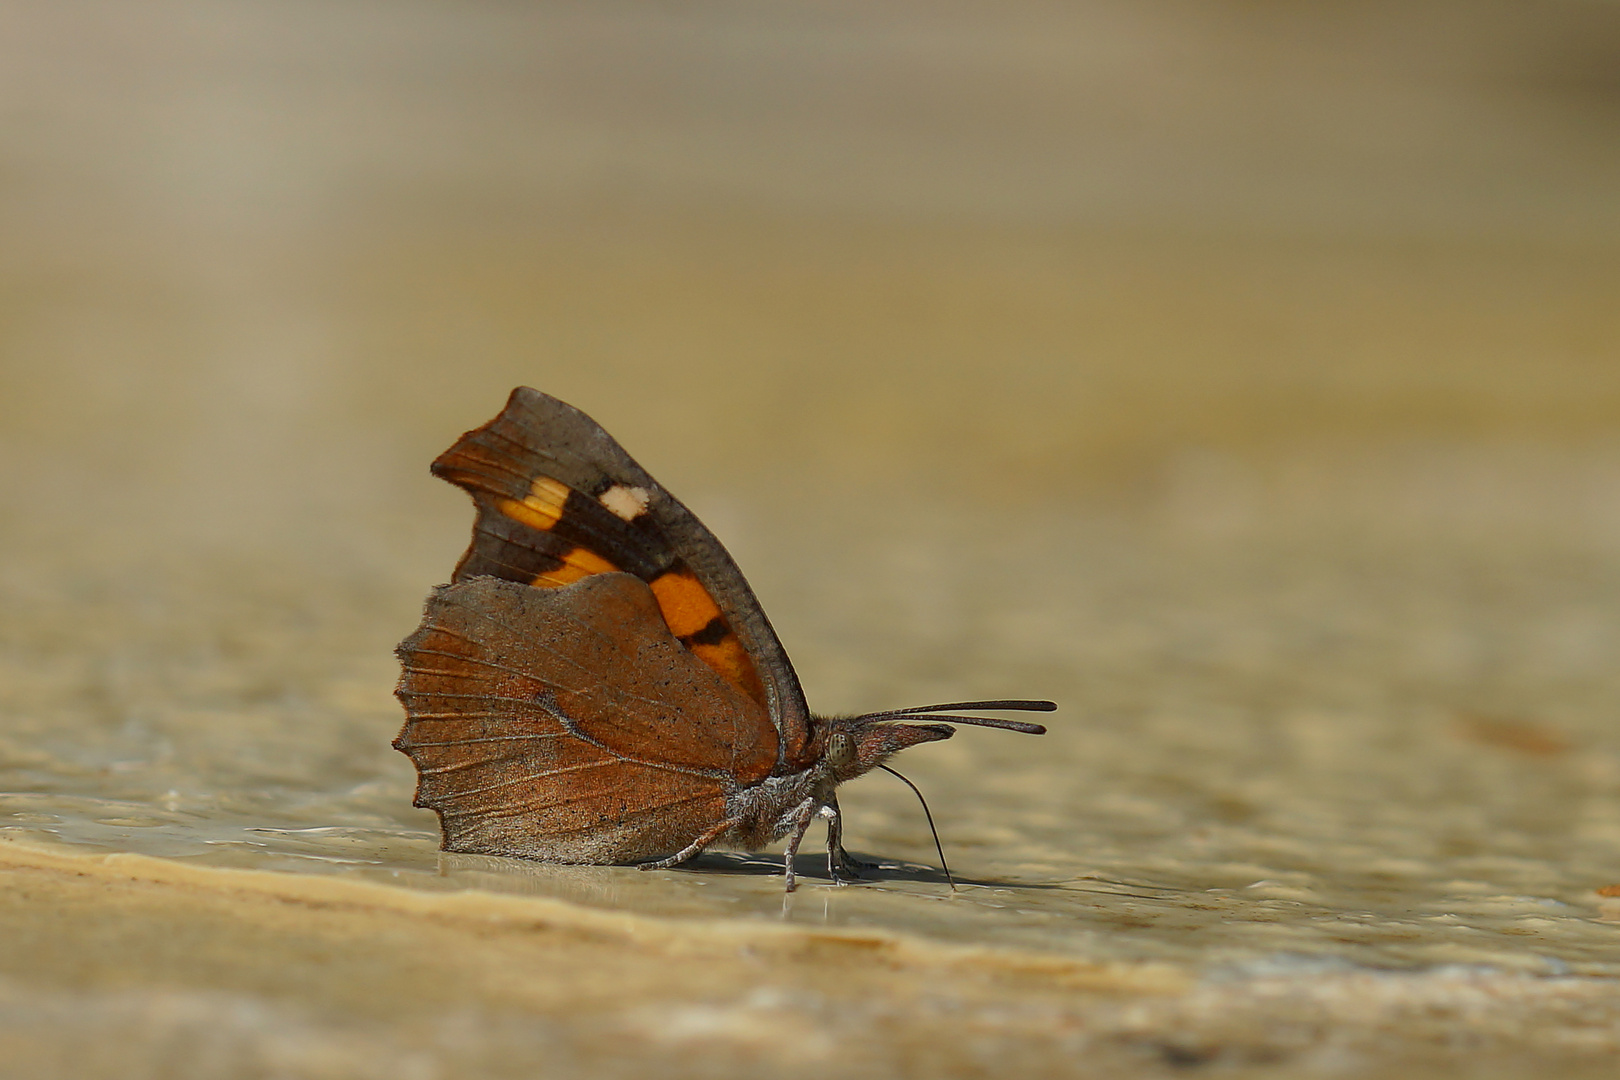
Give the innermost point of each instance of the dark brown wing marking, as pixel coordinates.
(559, 500)
(531, 527)
(567, 724)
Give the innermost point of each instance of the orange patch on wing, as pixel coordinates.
(686, 604)
(728, 657)
(541, 507)
(577, 563)
(688, 609)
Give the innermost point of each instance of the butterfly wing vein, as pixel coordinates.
(569, 725)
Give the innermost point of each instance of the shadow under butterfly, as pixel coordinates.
(598, 683)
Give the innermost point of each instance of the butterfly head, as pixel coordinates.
(856, 745)
(852, 745)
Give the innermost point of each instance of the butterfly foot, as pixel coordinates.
(661, 864)
(692, 850)
(844, 868)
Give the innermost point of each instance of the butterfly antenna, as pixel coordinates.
(927, 814)
(1007, 704)
(933, 712)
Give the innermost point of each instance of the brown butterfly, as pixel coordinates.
(598, 683)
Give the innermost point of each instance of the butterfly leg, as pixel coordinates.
(802, 816)
(841, 865)
(691, 851)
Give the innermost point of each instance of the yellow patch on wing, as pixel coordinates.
(541, 507)
(577, 563)
(686, 604)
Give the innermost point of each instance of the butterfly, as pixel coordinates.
(598, 684)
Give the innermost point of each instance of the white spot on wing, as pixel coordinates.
(626, 502)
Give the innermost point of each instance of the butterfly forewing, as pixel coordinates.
(559, 500)
(568, 724)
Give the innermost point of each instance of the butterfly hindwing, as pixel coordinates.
(568, 724)
(558, 500)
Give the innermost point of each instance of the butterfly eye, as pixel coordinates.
(840, 750)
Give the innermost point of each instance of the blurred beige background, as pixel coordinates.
(1037, 244)
(1243, 374)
